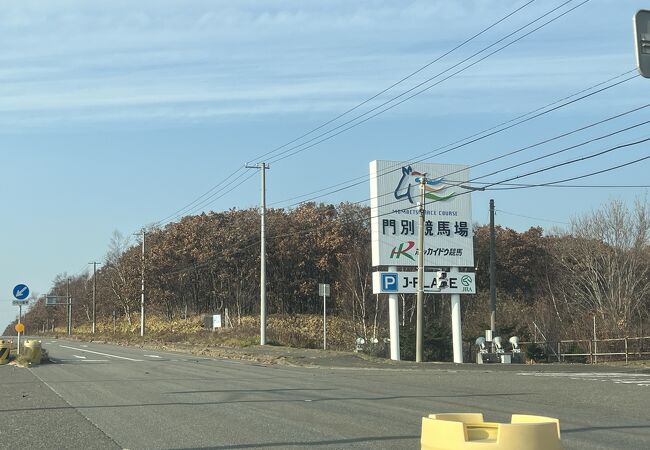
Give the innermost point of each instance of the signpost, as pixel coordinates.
(54, 300)
(324, 291)
(401, 193)
(21, 293)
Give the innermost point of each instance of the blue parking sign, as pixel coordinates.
(389, 282)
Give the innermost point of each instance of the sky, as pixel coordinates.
(117, 115)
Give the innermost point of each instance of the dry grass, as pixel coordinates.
(300, 331)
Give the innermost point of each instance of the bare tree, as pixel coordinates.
(605, 264)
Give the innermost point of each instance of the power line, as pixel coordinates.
(591, 174)
(296, 149)
(545, 141)
(532, 218)
(313, 229)
(207, 193)
(466, 41)
(412, 74)
(476, 137)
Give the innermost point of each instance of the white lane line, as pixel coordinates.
(153, 356)
(80, 357)
(84, 346)
(103, 354)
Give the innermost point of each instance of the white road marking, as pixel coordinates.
(153, 356)
(640, 379)
(80, 357)
(84, 346)
(103, 354)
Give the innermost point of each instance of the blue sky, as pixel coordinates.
(114, 115)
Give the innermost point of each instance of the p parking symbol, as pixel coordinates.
(389, 282)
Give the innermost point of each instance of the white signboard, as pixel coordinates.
(323, 290)
(216, 321)
(407, 283)
(395, 193)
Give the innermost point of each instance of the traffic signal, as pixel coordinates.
(441, 279)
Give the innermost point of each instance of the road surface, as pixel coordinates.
(106, 396)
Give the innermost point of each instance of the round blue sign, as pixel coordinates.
(21, 291)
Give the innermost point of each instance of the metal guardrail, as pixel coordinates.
(615, 348)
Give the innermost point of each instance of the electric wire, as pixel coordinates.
(184, 209)
(476, 137)
(537, 144)
(366, 219)
(297, 149)
(395, 84)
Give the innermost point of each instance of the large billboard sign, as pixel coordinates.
(394, 197)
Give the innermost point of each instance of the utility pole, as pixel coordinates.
(144, 234)
(69, 307)
(420, 292)
(493, 273)
(262, 167)
(94, 263)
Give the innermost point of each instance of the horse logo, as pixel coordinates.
(409, 185)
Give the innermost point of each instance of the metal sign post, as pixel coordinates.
(324, 291)
(20, 315)
(21, 293)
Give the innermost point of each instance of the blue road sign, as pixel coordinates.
(389, 282)
(21, 291)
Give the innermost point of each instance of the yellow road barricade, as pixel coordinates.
(469, 431)
(4, 352)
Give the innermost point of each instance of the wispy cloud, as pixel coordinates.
(80, 61)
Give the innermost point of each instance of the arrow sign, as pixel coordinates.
(21, 291)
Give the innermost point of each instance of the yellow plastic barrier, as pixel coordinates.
(4, 352)
(469, 431)
(33, 351)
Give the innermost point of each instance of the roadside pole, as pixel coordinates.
(20, 315)
(493, 273)
(393, 318)
(94, 263)
(324, 320)
(69, 307)
(456, 326)
(263, 167)
(420, 291)
(142, 292)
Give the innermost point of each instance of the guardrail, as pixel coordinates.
(626, 348)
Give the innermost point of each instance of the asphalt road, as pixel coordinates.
(105, 396)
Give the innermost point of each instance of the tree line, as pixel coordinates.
(555, 281)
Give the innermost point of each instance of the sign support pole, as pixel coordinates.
(69, 307)
(20, 315)
(324, 320)
(393, 317)
(456, 326)
(420, 294)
